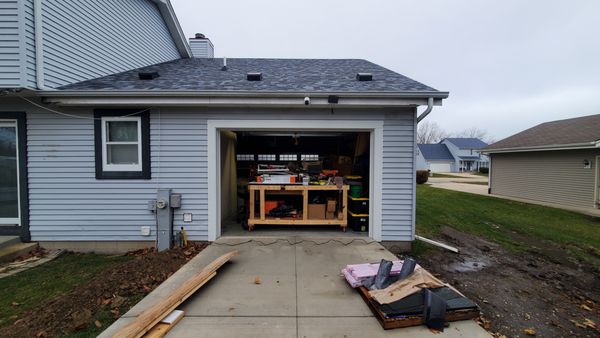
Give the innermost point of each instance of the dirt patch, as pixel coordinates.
(538, 293)
(113, 292)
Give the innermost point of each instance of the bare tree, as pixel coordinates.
(430, 132)
(475, 132)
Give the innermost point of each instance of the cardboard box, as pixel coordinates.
(331, 205)
(330, 215)
(316, 211)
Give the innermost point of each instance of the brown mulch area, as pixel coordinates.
(539, 293)
(115, 290)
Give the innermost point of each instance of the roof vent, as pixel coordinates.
(148, 75)
(254, 76)
(364, 77)
(200, 36)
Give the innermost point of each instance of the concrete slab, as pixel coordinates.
(228, 327)
(321, 290)
(301, 294)
(361, 327)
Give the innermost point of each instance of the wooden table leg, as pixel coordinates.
(262, 204)
(344, 210)
(305, 204)
(251, 216)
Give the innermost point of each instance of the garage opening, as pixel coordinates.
(278, 183)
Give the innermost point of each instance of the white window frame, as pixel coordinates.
(121, 167)
(12, 220)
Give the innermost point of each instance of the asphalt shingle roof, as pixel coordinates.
(435, 152)
(285, 75)
(584, 129)
(467, 142)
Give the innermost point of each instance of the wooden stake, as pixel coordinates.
(147, 319)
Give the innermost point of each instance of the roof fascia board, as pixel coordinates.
(168, 14)
(320, 102)
(585, 145)
(438, 96)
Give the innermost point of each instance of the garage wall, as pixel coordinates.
(67, 203)
(548, 176)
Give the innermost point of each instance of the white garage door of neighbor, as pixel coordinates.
(440, 167)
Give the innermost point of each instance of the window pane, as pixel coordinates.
(9, 194)
(122, 154)
(122, 131)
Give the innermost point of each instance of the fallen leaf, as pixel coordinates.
(41, 334)
(577, 324)
(585, 307)
(589, 323)
(527, 316)
(257, 280)
(104, 301)
(529, 332)
(98, 324)
(15, 304)
(20, 321)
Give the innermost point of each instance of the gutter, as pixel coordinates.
(39, 45)
(583, 145)
(239, 98)
(427, 111)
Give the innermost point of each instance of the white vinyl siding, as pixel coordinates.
(67, 203)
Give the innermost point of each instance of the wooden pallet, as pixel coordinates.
(415, 320)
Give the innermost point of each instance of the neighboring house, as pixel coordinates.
(452, 155)
(435, 157)
(82, 159)
(467, 153)
(554, 162)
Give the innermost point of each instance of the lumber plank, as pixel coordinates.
(160, 330)
(150, 317)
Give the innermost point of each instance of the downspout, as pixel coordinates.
(39, 45)
(427, 111)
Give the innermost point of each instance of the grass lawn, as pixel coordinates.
(497, 219)
(28, 289)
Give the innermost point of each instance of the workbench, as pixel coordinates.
(294, 189)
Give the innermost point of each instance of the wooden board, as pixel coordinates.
(165, 325)
(146, 320)
(394, 323)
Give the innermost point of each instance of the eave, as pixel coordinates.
(571, 146)
(156, 98)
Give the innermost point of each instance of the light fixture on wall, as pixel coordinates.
(587, 164)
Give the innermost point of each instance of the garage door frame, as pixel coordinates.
(375, 128)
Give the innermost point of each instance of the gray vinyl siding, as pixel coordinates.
(29, 44)
(67, 203)
(398, 178)
(548, 176)
(88, 39)
(10, 64)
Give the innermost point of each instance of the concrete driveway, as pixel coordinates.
(301, 293)
(465, 182)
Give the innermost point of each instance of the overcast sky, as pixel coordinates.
(508, 65)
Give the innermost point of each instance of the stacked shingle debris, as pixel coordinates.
(402, 293)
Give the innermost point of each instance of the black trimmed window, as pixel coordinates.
(122, 144)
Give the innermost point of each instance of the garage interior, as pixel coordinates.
(277, 183)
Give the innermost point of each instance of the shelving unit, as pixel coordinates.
(293, 189)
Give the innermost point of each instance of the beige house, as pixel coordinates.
(554, 162)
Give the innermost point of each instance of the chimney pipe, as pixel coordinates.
(201, 46)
